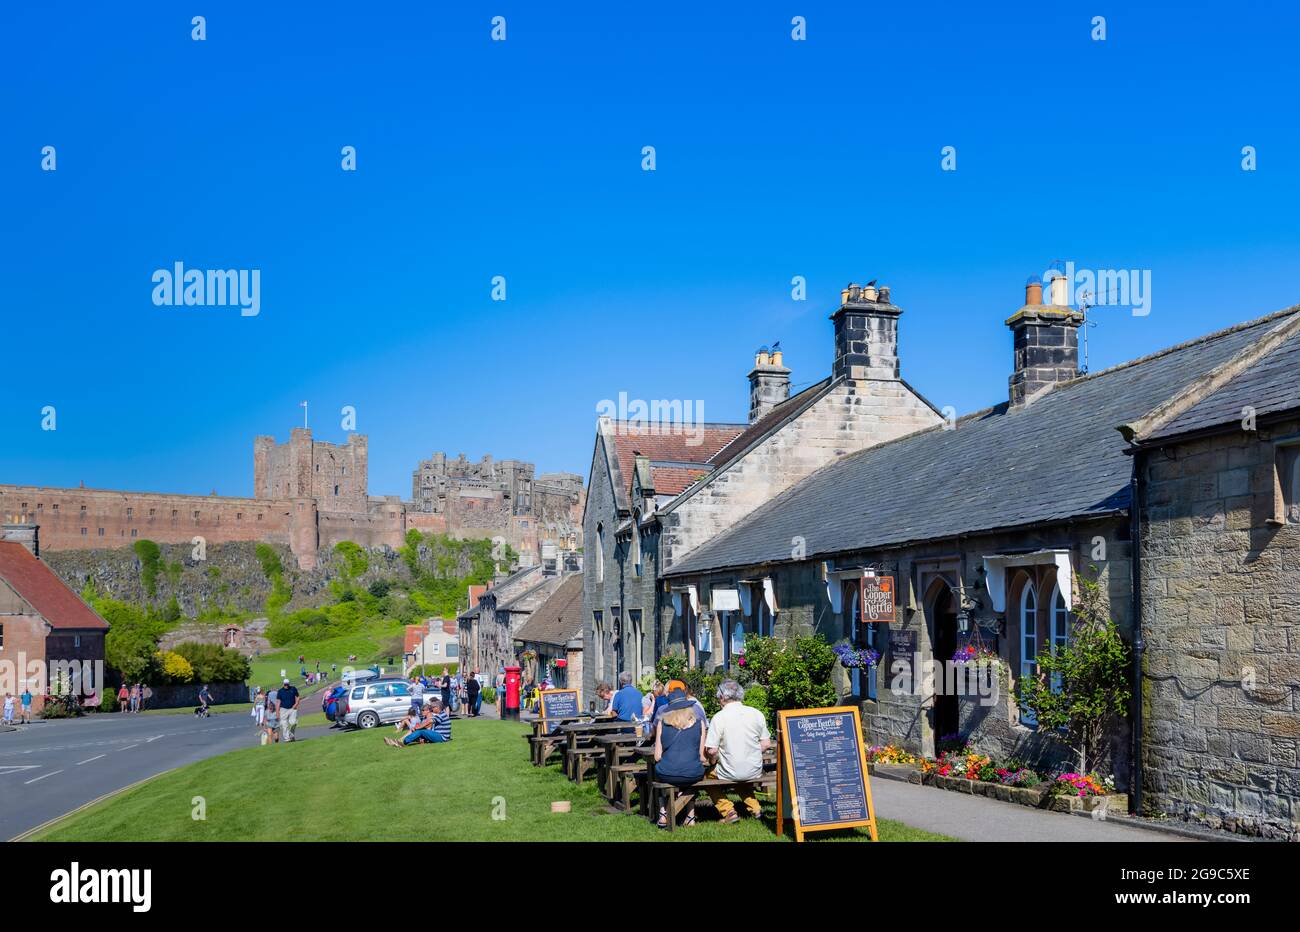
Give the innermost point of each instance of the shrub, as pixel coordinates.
(174, 667)
(108, 701)
(68, 706)
(756, 698)
(150, 556)
(800, 675)
(379, 588)
(489, 694)
(355, 560)
(671, 666)
(212, 663)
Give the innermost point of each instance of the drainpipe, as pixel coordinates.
(1139, 645)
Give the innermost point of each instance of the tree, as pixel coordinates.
(1084, 685)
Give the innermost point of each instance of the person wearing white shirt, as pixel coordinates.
(737, 738)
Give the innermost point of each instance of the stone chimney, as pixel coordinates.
(769, 383)
(1046, 339)
(20, 529)
(866, 334)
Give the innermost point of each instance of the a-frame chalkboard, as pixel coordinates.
(822, 768)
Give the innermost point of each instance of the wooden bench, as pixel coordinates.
(541, 747)
(622, 780)
(667, 794)
(578, 760)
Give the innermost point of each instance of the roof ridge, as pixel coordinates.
(1211, 381)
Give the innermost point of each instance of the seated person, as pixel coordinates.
(604, 699)
(736, 740)
(679, 750)
(433, 726)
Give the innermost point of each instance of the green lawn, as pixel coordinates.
(353, 787)
(366, 646)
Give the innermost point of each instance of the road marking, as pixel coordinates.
(128, 747)
(41, 777)
(155, 738)
(14, 768)
(89, 759)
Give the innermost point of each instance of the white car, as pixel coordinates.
(371, 704)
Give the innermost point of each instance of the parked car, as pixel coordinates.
(333, 703)
(377, 703)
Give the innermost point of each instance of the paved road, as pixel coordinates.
(51, 767)
(977, 818)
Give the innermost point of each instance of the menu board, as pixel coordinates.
(560, 703)
(823, 770)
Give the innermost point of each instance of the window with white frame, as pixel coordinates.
(1028, 643)
(1060, 632)
(598, 624)
(635, 628)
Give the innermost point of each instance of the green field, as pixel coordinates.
(266, 669)
(353, 787)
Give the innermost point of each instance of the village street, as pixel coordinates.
(49, 768)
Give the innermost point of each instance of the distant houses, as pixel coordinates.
(50, 639)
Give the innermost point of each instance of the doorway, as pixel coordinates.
(946, 718)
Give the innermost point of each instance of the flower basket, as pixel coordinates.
(853, 658)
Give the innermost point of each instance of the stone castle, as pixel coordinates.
(309, 495)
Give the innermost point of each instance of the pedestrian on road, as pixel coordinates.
(27, 704)
(472, 696)
(146, 693)
(287, 699)
(123, 699)
(259, 707)
(135, 698)
(9, 709)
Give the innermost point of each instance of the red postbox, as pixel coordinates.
(511, 707)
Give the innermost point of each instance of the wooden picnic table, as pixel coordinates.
(542, 726)
(580, 743)
(618, 748)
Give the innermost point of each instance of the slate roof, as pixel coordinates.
(1270, 386)
(1059, 457)
(35, 582)
(558, 620)
(624, 441)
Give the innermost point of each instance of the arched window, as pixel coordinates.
(1060, 628)
(600, 553)
(636, 545)
(1028, 642)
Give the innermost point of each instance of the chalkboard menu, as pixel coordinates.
(823, 770)
(560, 703)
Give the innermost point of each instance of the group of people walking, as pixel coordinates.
(11, 707)
(276, 713)
(132, 697)
(454, 690)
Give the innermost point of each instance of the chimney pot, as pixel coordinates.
(1060, 291)
(884, 294)
(1034, 292)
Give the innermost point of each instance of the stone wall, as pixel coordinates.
(852, 416)
(901, 711)
(1220, 607)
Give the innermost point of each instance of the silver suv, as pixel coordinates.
(372, 704)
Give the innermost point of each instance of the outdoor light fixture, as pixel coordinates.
(963, 621)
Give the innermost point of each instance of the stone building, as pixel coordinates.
(656, 492)
(990, 527)
(307, 495)
(498, 499)
(489, 626)
(553, 633)
(50, 640)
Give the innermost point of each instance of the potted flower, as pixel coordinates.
(856, 658)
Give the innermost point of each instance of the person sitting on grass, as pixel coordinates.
(737, 738)
(433, 727)
(679, 751)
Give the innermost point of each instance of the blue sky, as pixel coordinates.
(522, 158)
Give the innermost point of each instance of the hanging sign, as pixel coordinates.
(877, 599)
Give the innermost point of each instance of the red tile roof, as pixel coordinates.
(50, 596)
(689, 445)
(673, 480)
